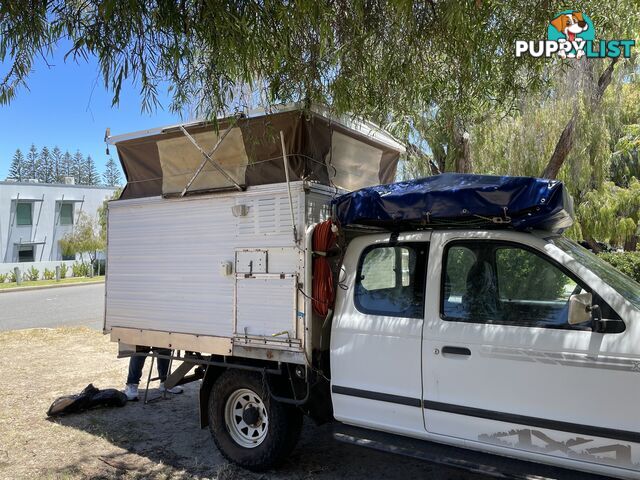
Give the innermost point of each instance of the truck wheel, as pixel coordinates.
(249, 428)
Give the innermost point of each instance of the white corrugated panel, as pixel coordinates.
(164, 258)
(266, 306)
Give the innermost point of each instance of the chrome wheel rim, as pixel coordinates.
(239, 404)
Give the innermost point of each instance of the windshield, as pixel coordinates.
(624, 285)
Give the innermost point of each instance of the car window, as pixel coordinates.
(391, 280)
(497, 282)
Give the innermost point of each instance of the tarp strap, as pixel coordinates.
(207, 158)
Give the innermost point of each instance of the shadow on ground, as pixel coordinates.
(163, 440)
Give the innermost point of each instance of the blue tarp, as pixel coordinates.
(454, 199)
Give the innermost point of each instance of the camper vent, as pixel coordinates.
(267, 216)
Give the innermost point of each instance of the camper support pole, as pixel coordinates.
(286, 175)
(207, 157)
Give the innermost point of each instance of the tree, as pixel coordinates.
(56, 161)
(612, 214)
(111, 175)
(77, 167)
(102, 213)
(45, 166)
(84, 239)
(17, 168)
(67, 165)
(32, 163)
(91, 176)
(413, 64)
(567, 137)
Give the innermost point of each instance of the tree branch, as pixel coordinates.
(566, 140)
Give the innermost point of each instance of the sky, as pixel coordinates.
(67, 105)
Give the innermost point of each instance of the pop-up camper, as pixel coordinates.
(297, 279)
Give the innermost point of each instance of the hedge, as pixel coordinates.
(627, 262)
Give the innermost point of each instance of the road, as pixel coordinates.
(53, 307)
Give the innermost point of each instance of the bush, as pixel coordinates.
(32, 274)
(63, 270)
(12, 276)
(80, 269)
(48, 274)
(627, 262)
(3, 277)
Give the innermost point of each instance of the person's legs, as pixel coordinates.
(136, 364)
(163, 370)
(163, 363)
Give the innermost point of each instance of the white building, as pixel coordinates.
(35, 216)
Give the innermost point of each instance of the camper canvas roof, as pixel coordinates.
(246, 150)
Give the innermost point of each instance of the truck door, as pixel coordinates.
(504, 368)
(376, 333)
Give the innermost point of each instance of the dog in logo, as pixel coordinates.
(570, 25)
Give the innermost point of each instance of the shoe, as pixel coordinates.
(175, 390)
(131, 391)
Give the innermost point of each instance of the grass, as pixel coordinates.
(39, 283)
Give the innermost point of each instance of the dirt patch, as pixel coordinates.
(160, 440)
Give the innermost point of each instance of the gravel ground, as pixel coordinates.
(160, 440)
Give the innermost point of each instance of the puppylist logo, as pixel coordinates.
(571, 34)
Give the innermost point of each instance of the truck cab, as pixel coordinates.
(501, 341)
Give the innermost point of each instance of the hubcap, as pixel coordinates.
(246, 418)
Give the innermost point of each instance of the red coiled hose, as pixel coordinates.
(324, 293)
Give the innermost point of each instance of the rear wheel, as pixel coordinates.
(249, 428)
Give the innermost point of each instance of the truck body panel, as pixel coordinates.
(193, 272)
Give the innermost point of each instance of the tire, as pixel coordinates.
(249, 428)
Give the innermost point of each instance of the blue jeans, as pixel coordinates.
(137, 363)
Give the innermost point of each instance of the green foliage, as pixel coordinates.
(32, 274)
(85, 238)
(627, 262)
(625, 159)
(80, 269)
(611, 214)
(3, 277)
(63, 270)
(48, 274)
(418, 64)
(102, 214)
(13, 278)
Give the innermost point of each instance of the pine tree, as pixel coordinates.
(17, 168)
(77, 168)
(45, 167)
(56, 161)
(32, 164)
(67, 165)
(91, 176)
(111, 174)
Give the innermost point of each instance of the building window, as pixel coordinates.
(70, 257)
(66, 214)
(26, 253)
(24, 213)
(390, 280)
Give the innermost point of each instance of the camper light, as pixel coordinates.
(240, 210)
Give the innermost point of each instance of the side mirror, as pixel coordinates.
(580, 308)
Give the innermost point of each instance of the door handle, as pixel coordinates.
(450, 350)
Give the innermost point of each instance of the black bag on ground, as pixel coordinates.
(89, 397)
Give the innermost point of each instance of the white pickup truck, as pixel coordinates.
(516, 343)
